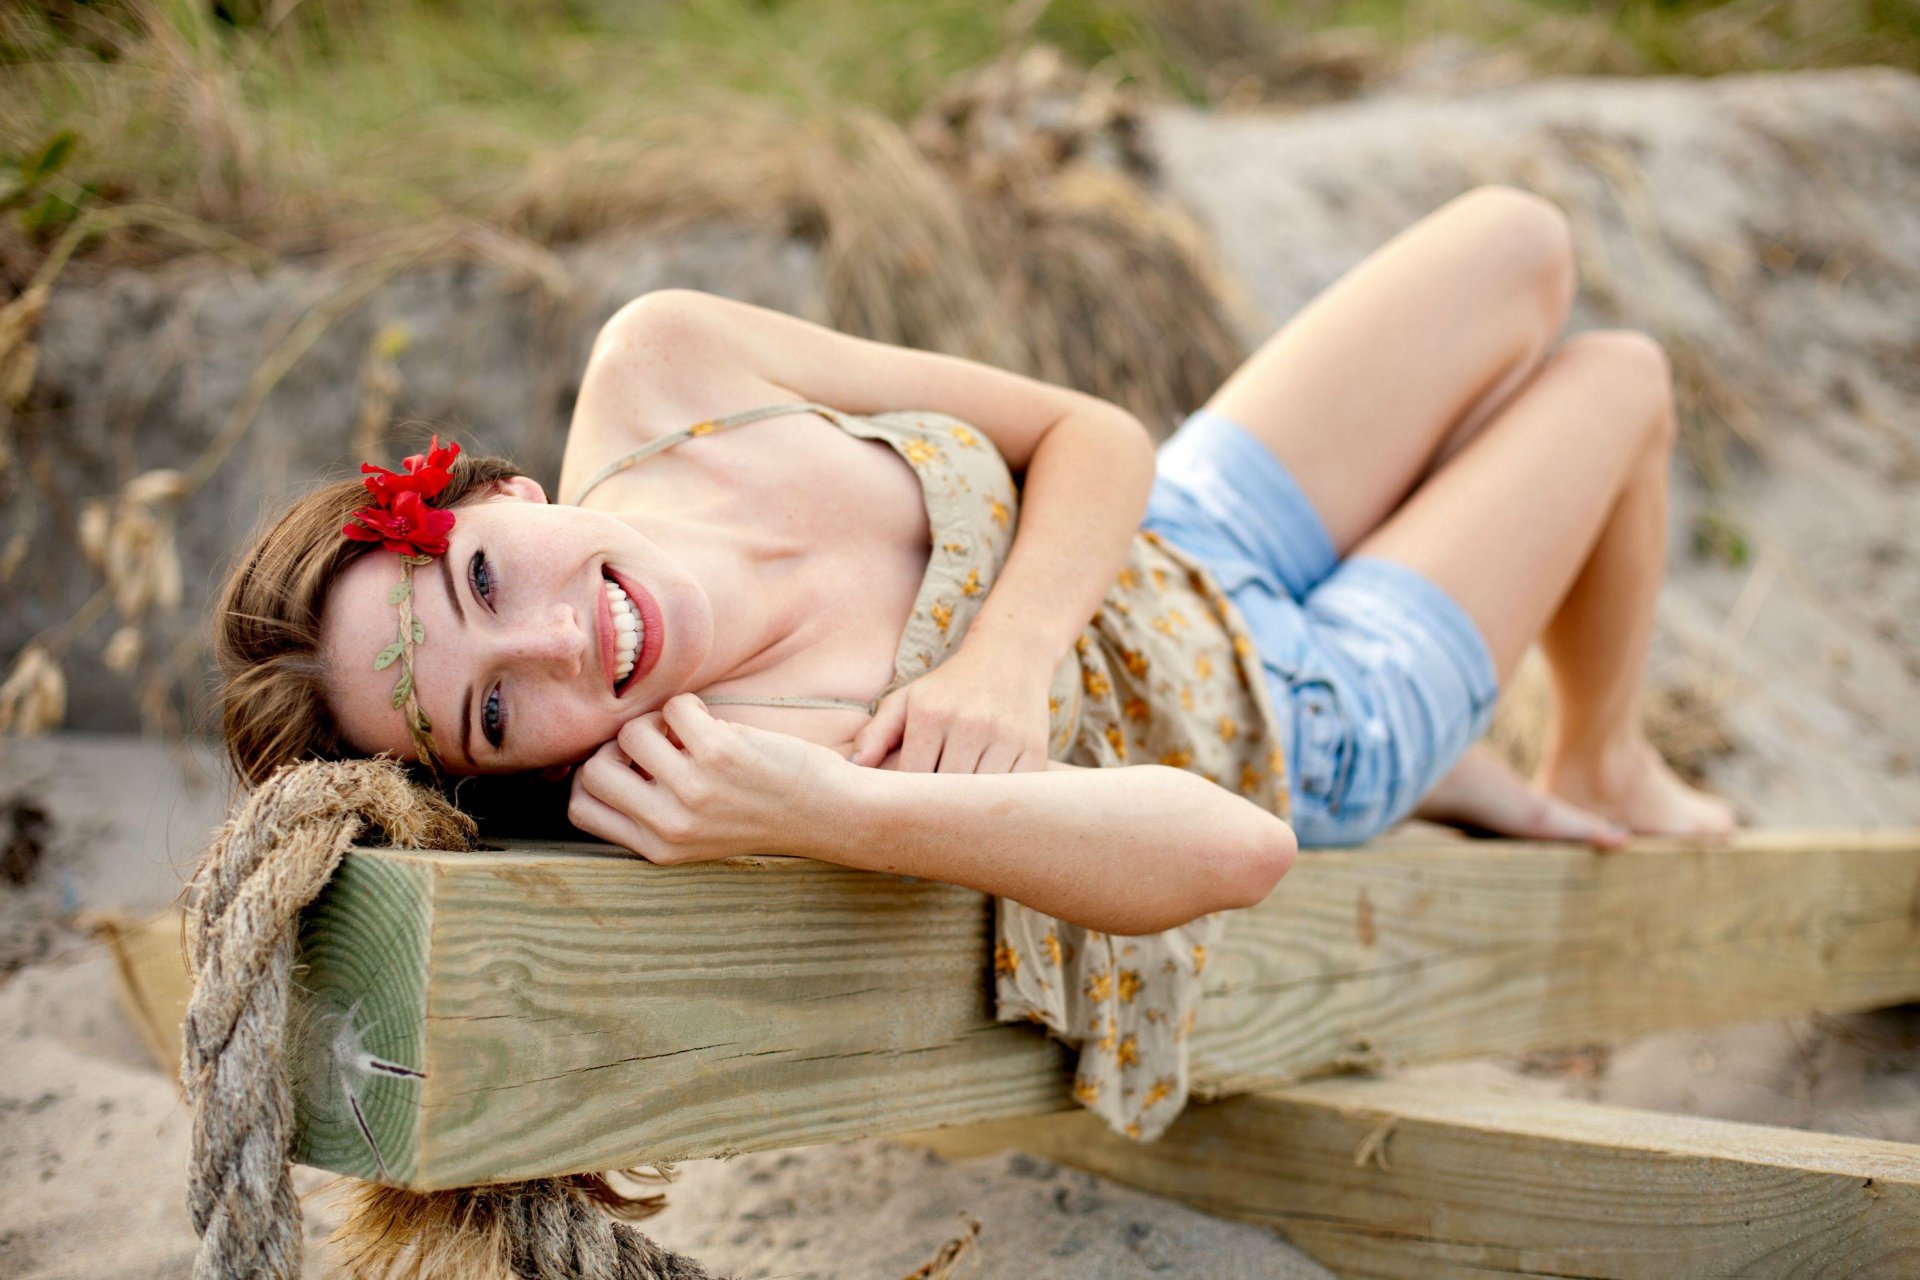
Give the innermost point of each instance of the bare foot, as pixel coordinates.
(1635, 787)
(1484, 793)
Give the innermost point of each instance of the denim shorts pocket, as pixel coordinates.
(1231, 573)
(1323, 743)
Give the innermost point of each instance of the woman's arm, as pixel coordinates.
(984, 709)
(1126, 850)
(1088, 464)
(1132, 849)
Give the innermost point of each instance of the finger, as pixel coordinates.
(921, 744)
(999, 757)
(881, 734)
(962, 751)
(597, 818)
(610, 777)
(690, 721)
(1030, 762)
(645, 741)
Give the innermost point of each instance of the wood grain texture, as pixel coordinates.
(1399, 953)
(580, 1010)
(1379, 1178)
(357, 1031)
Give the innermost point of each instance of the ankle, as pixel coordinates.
(1602, 764)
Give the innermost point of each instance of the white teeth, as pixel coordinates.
(628, 631)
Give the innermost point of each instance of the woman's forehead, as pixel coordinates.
(359, 621)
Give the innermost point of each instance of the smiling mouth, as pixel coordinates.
(629, 632)
(626, 632)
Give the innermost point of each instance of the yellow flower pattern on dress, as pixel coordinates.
(1158, 672)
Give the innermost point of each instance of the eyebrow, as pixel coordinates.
(453, 597)
(466, 702)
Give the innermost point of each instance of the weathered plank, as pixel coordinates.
(571, 1009)
(150, 976)
(1384, 1178)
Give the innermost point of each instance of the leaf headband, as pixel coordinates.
(402, 522)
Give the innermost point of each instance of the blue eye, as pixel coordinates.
(491, 721)
(481, 575)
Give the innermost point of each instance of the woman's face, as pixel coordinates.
(518, 668)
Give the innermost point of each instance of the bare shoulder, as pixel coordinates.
(659, 364)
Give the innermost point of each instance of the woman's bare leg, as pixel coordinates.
(1551, 523)
(1429, 334)
(1389, 373)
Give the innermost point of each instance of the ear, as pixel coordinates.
(555, 772)
(525, 488)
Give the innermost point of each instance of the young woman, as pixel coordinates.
(1397, 494)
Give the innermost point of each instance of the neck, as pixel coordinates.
(751, 578)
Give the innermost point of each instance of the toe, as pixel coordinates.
(1561, 820)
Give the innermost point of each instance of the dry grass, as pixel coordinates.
(295, 123)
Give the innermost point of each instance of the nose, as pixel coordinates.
(555, 645)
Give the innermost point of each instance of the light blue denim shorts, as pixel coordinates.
(1387, 679)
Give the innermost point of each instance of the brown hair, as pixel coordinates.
(266, 627)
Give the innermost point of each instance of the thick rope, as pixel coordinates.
(273, 857)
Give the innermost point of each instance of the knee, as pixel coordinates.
(1535, 236)
(1635, 367)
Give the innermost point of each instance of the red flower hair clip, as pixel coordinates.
(401, 521)
(400, 517)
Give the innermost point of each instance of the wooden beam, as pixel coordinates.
(1384, 1178)
(568, 1009)
(150, 976)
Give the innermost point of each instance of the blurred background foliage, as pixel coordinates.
(291, 124)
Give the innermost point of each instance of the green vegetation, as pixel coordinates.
(291, 124)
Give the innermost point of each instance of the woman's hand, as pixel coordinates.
(977, 712)
(677, 786)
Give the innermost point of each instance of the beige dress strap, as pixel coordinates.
(706, 428)
(827, 704)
